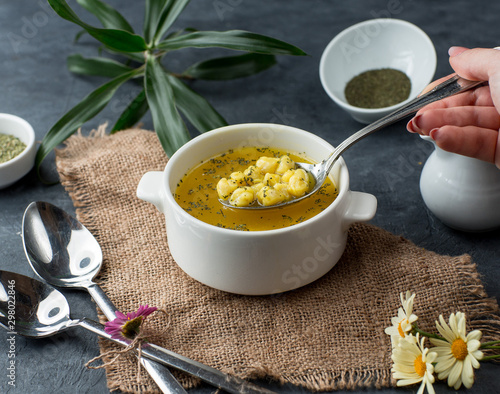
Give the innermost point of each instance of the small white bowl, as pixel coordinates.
(19, 166)
(376, 44)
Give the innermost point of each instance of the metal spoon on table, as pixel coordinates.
(64, 253)
(320, 171)
(34, 309)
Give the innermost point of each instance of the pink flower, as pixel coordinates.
(128, 327)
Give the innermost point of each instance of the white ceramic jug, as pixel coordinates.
(464, 193)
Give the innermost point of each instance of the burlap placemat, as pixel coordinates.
(324, 336)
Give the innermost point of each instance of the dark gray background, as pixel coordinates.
(36, 85)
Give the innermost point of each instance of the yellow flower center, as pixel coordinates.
(419, 366)
(459, 349)
(400, 328)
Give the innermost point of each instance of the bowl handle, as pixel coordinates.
(150, 189)
(361, 208)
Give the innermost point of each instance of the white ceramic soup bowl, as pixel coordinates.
(374, 44)
(255, 262)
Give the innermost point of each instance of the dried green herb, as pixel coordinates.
(378, 88)
(10, 147)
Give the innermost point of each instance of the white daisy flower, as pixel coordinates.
(402, 323)
(458, 353)
(413, 363)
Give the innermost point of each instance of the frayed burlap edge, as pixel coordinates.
(69, 179)
(322, 381)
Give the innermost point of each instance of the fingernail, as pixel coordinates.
(434, 134)
(414, 123)
(409, 127)
(455, 51)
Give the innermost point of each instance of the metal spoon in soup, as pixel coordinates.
(320, 171)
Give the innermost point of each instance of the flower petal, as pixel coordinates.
(454, 376)
(146, 310)
(444, 364)
(407, 382)
(445, 330)
(421, 388)
(468, 373)
(429, 376)
(476, 334)
(440, 343)
(473, 345)
(475, 356)
(431, 357)
(112, 327)
(120, 315)
(430, 387)
(461, 330)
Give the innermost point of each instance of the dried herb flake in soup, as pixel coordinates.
(378, 88)
(10, 147)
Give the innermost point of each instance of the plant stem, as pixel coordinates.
(486, 358)
(183, 76)
(427, 334)
(490, 343)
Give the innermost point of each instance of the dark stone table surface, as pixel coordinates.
(36, 85)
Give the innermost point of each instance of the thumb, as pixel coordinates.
(478, 64)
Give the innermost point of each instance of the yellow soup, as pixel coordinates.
(196, 193)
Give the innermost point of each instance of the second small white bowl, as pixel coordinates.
(19, 166)
(376, 44)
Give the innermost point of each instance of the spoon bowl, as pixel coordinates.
(59, 248)
(40, 310)
(320, 171)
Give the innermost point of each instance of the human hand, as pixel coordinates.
(467, 123)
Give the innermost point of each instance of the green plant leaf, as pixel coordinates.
(179, 32)
(137, 57)
(96, 66)
(132, 114)
(169, 13)
(233, 39)
(109, 17)
(195, 108)
(118, 40)
(168, 124)
(151, 14)
(231, 67)
(79, 35)
(89, 107)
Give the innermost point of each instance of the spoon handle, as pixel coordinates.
(450, 87)
(160, 374)
(229, 383)
(102, 300)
